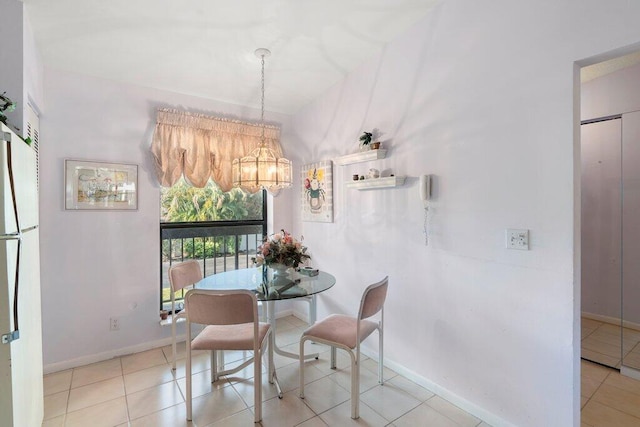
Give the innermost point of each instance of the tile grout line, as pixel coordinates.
(126, 395)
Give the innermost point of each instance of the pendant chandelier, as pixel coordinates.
(261, 169)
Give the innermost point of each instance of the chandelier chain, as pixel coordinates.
(262, 102)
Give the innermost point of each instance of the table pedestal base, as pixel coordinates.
(271, 319)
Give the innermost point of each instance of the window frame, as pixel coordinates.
(188, 230)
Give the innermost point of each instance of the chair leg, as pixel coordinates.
(270, 364)
(301, 370)
(173, 342)
(380, 356)
(188, 374)
(214, 366)
(257, 386)
(333, 358)
(355, 383)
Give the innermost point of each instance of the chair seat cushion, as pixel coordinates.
(341, 329)
(229, 337)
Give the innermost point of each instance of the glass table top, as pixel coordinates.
(268, 287)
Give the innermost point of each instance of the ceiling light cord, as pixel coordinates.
(262, 139)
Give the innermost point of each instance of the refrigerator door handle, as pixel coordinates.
(15, 334)
(12, 236)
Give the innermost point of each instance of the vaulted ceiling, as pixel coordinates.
(206, 47)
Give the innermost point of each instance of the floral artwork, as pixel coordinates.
(317, 192)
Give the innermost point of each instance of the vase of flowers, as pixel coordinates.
(280, 252)
(281, 248)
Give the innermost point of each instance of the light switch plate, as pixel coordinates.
(517, 239)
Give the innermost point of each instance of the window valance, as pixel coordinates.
(202, 147)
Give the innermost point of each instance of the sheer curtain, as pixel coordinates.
(202, 147)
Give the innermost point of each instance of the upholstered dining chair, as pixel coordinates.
(232, 323)
(345, 332)
(181, 275)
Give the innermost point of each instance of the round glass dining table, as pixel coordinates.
(270, 289)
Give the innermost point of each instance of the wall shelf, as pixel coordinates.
(373, 183)
(363, 156)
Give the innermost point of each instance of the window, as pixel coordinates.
(220, 230)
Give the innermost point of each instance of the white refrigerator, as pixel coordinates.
(21, 390)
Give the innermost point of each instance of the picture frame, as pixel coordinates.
(317, 191)
(96, 185)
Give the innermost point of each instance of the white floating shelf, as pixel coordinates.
(363, 156)
(372, 183)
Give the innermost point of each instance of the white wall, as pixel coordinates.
(11, 56)
(33, 72)
(614, 93)
(21, 71)
(100, 264)
(482, 96)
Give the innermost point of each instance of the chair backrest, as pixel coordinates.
(212, 307)
(373, 299)
(184, 274)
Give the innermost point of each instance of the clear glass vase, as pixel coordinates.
(280, 274)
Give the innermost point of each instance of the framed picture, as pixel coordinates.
(99, 185)
(317, 191)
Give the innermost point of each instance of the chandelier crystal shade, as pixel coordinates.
(261, 169)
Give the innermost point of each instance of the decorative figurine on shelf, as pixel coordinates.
(365, 140)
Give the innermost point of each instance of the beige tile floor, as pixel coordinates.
(605, 343)
(141, 390)
(608, 399)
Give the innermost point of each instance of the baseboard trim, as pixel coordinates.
(611, 320)
(460, 402)
(101, 357)
(630, 372)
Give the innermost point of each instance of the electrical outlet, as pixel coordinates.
(517, 239)
(114, 324)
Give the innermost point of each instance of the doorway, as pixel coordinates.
(610, 213)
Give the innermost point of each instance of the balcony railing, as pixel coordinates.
(217, 246)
